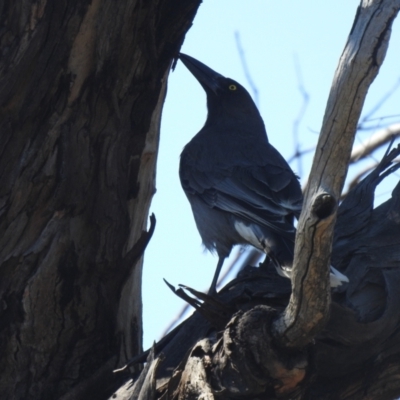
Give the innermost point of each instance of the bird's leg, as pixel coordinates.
(213, 287)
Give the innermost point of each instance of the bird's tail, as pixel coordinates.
(281, 250)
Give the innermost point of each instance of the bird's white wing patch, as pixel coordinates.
(248, 234)
(337, 278)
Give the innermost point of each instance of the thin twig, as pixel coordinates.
(379, 104)
(246, 69)
(300, 115)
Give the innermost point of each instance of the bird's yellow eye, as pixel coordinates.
(232, 87)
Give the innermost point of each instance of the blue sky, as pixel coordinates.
(286, 44)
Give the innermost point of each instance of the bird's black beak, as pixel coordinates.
(208, 78)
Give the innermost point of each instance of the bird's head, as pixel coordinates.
(225, 97)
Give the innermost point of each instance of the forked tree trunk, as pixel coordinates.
(82, 85)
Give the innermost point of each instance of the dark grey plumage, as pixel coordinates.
(242, 191)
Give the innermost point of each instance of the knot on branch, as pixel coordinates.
(248, 361)
(324, 206)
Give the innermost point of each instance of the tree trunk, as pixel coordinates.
(82, 87)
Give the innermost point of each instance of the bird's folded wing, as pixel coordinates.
(264, 195)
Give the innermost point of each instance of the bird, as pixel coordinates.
(240, 188)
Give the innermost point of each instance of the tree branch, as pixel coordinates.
(308, 309)
(377, 140)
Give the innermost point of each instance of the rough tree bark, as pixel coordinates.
(261, 338)
(82, 84)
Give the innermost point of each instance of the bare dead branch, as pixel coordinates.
(359, 64)
(376, 141)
